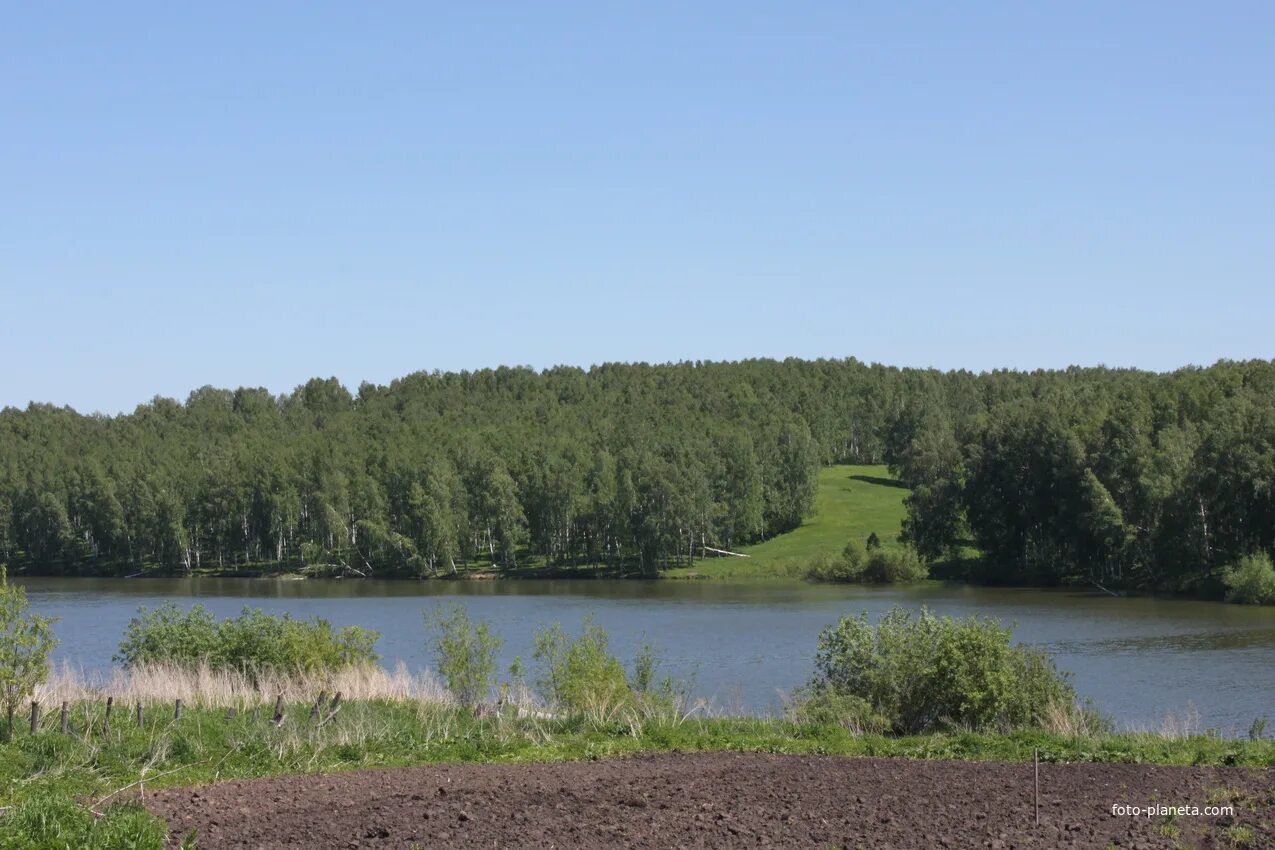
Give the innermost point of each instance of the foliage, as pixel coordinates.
(927, 672)
(1112, 478)
(631, 468)
(252, 642)
(26, 639)
(870, 566)
(579, 673)
(828, 707)
(901, 566)
(642, 679)
(846, 568)
(465, 653)
(1251, 581)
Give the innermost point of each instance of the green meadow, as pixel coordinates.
(853, 501)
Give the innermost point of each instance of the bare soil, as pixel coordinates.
(727, 800)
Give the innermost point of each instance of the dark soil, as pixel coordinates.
(727, 800)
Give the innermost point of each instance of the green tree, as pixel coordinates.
(464, 653)
(795, 477)
(581, 675)
(1106, 537)
(1251, 581)
(26, 639)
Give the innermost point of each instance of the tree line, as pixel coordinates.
(626, 467)
(1121, 477)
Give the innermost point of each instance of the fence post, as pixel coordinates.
(318, 706)
(35, 717)
(141, 723)
(332, 709)
(177, 709)
(278, 710)
(66, 720)
(106, 724)
(1036, 759)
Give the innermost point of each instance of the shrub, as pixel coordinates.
(1251, 581)
(830, 708)
(580, 674)
(848, 567)
(644, 664)
(873, 566)
(26, 639)
(252, 642)
(900, 566)
(921, 673)
(465, 653)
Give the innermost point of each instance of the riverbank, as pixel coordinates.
(852, 502)
(101, 761)
(744, 644)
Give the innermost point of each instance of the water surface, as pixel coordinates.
(746, 645)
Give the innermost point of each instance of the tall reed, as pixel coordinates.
(203, 686)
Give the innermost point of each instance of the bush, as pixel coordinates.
(830, 708)
(580, 674)
(928, 672)
(873, 566)
(1251, 581)
(900, 566)
(252, 642)
(465, 653)
(26, 639)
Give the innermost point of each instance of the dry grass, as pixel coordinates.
(1072, 720)
(1178, 726)
(208, 688)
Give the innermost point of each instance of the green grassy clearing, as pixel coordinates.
(852, 502)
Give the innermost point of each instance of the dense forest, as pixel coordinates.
(1118, 479)
(1124, 478)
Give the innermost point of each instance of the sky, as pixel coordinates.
(253, 194)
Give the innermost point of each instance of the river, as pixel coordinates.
(1140, 661)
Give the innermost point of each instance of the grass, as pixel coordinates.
(852, 502)
(1239, 835)
(205, 687)
(41, 774)
(78, 789)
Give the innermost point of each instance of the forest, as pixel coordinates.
(1121, 478)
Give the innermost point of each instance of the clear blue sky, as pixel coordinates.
(257, 193)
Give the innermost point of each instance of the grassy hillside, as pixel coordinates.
(853, 502)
